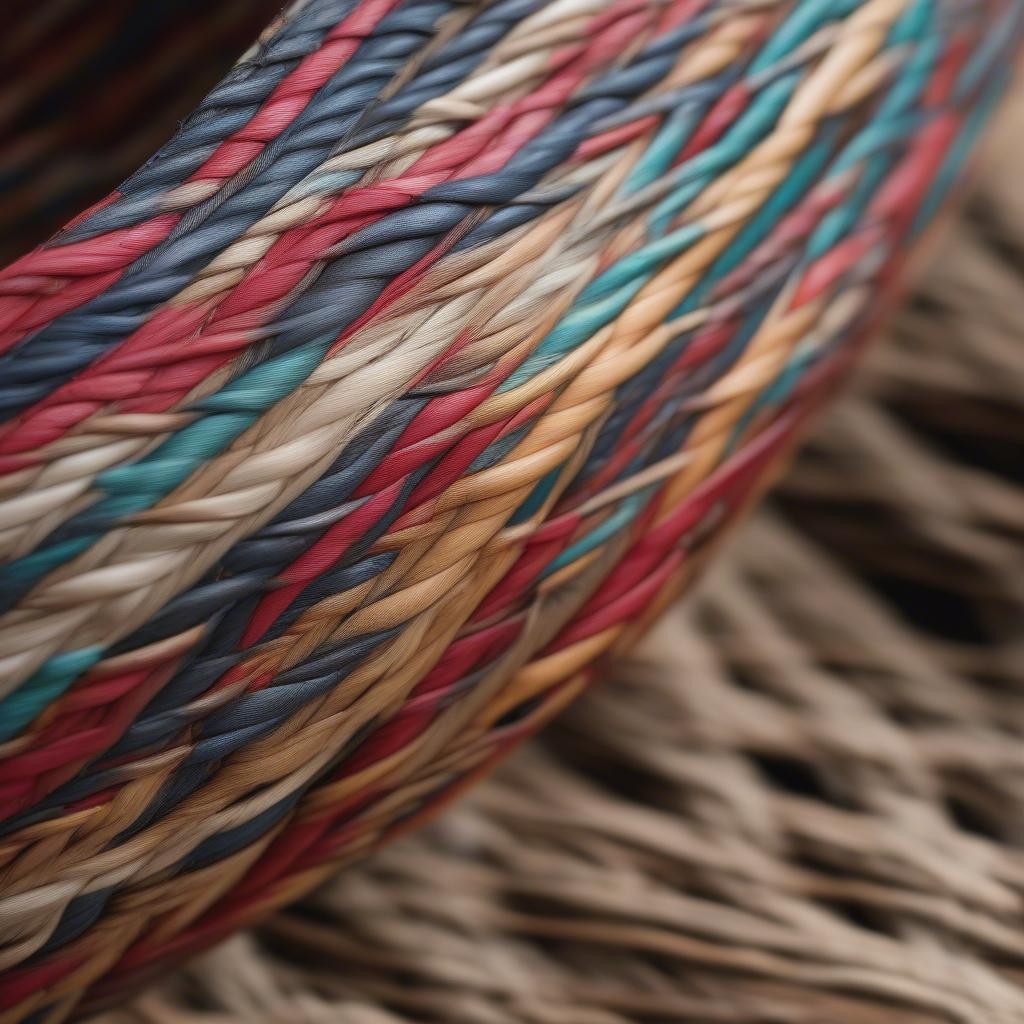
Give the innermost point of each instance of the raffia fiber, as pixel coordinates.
(802, 801)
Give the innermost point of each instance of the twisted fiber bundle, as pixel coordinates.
(417, 373)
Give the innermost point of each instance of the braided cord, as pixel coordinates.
(427, 363)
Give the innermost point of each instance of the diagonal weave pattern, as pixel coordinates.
(783, 809)
(417, 373)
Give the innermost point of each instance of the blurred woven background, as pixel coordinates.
(801, 801)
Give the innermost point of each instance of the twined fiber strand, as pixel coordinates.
(410, 380)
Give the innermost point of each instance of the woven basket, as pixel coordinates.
(411, 379)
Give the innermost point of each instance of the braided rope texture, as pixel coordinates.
(420, 370)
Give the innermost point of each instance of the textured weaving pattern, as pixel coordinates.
(412, 378)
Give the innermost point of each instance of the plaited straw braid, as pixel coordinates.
(412, 378)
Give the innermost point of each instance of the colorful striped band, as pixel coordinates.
(409, 381)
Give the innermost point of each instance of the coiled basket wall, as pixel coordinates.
(420, 369)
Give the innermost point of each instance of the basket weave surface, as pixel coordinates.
(413, 377)
(801, 802)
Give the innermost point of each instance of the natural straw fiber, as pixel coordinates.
(801, 801)
(416, 375)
